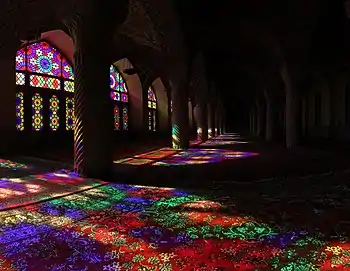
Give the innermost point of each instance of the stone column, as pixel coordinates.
(217, 121)
(251, 127)
(10, 138)
(92, 33)
(260, 119)
(270, 125)
(201, 117)
(211, 121)
(179, 96)
(291, 107)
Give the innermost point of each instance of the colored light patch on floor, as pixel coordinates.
(195, 142)
(12, 165)
(228, 138)
(138, 162)
(15, 192)
(219, 142)
(157, 154)
(130, 228)
(202, 156)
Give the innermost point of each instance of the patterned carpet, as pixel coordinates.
(19, 191)
(124, 227)
(286, 224)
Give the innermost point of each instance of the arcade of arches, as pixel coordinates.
(44, 98)
(142, 107)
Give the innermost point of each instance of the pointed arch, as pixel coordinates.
(134, 87)
(120, 97)
(45, 81)
(163, 105)
(152, 109)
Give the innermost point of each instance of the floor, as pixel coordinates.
(222, 215)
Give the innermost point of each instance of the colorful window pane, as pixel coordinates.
(43, 58)
(20, 78)
(115, 96)
(119, 94)
(152, 113)
(152, 101)
(116, 118)
(21, 60)
(68, 86)
(124, 98)
(67, 69)
(54, 113)
(37, 112)
(121, 84)
(19, 111)
(113, 77)
(69, 113)
(154, 121)
(150, 121)
(44, 82)
(125, 119)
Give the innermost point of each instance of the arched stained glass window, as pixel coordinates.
(120, 97)
(45, 76)
(152, 110)
(44, 79)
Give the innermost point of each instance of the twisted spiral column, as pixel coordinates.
(93, 107)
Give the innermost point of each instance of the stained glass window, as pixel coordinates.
(152, 109)
(150, 120)
(116, 118)
(19, 111)
(154, 121)
(120, 98)
(69, 113)
(152, 100)
(125, 119)
(41, 66)
(37, 112)
(54, 113)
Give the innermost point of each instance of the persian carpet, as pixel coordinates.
(137, 228)
(15, 192)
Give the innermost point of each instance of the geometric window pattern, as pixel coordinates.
(43, 70)
(45, 79)
(152, 110)
(120, 98)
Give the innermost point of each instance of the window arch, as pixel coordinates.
(152, 109)
(120, 97)
(45, 90)
(45, 86)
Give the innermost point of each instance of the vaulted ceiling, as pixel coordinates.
(245, 42)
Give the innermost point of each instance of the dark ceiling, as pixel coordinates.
(245, 42)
